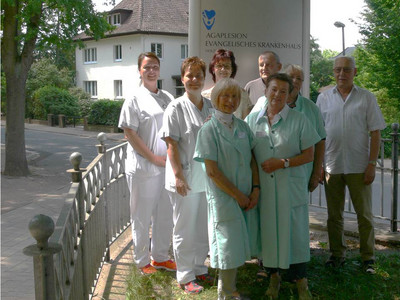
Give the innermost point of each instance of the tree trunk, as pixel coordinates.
(16, 65)
(15, 156)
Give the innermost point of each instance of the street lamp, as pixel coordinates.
(338, 25)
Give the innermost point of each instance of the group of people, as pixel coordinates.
(235, 189)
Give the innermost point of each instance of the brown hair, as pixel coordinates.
(193, 61)
(282, 77)
(146, 54)
(219, 55)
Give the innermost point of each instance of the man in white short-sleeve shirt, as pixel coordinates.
(353, 121)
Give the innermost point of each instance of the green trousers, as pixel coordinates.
(361, 197)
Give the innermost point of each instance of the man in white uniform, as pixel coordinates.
(353, 122)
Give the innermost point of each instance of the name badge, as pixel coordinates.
(241, 135)
(261, 134)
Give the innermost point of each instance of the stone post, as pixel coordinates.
(395, 175)
(50, 120)
(41, 228)
(76, 174)
(61, 121)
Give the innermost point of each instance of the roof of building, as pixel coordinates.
(169, 17)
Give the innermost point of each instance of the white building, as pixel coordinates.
(108, 68)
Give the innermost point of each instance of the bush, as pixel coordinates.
(84, 100)
(53, 100)
(105, 112)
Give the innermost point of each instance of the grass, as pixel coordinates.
(347, 283)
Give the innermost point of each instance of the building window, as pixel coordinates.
(114, 19)
(117, 52)
(118, 88)
(90, 55)
(91, 88)
(184, 51)
(179, 88)
(157, 49)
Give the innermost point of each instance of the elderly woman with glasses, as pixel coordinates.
(223, 65)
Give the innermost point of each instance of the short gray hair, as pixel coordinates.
(290, 67)
(348, 58)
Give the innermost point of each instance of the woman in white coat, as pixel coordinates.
(224, 145)
(141, 119)
(185, 178)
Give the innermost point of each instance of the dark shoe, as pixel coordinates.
(192, 287)
(369, 266)
(335, 262)
(206, 278)
(262, 274)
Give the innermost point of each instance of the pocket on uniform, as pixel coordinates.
(298, 191)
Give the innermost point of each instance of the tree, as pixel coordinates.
(321, 68)
(25, 24)
(381, 38)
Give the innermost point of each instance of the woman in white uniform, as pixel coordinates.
(224, 145)
(141, 119)
(285, 140)
(223, 65)
(185, 178)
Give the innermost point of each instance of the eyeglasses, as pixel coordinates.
(345, 70)
(225, 66)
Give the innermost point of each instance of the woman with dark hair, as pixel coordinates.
(185, 178)
(223, 65)
(285, 142)
(141, 119)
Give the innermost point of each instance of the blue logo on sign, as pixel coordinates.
(208, 18)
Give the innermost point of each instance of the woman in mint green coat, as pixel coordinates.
(224, 144)
(284, 144)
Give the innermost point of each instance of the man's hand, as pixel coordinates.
(369, 174)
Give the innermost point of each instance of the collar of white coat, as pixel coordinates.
(283, 113)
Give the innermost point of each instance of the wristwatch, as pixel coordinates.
(286, 163)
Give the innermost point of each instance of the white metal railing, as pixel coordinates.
(95, 212)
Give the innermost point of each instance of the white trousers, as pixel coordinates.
(150, 205)
(190, 235)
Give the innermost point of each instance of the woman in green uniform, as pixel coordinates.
(284, 144)
(224, 144)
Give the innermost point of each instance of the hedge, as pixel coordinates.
(105, 112)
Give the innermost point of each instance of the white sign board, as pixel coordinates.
(249, 28)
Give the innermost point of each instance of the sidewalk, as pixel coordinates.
(44, 194)
(22, 199)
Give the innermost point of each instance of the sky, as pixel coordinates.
(323, 14)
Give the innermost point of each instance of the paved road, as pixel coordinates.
(43, 192)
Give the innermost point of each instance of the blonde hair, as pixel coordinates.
(223, 85)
